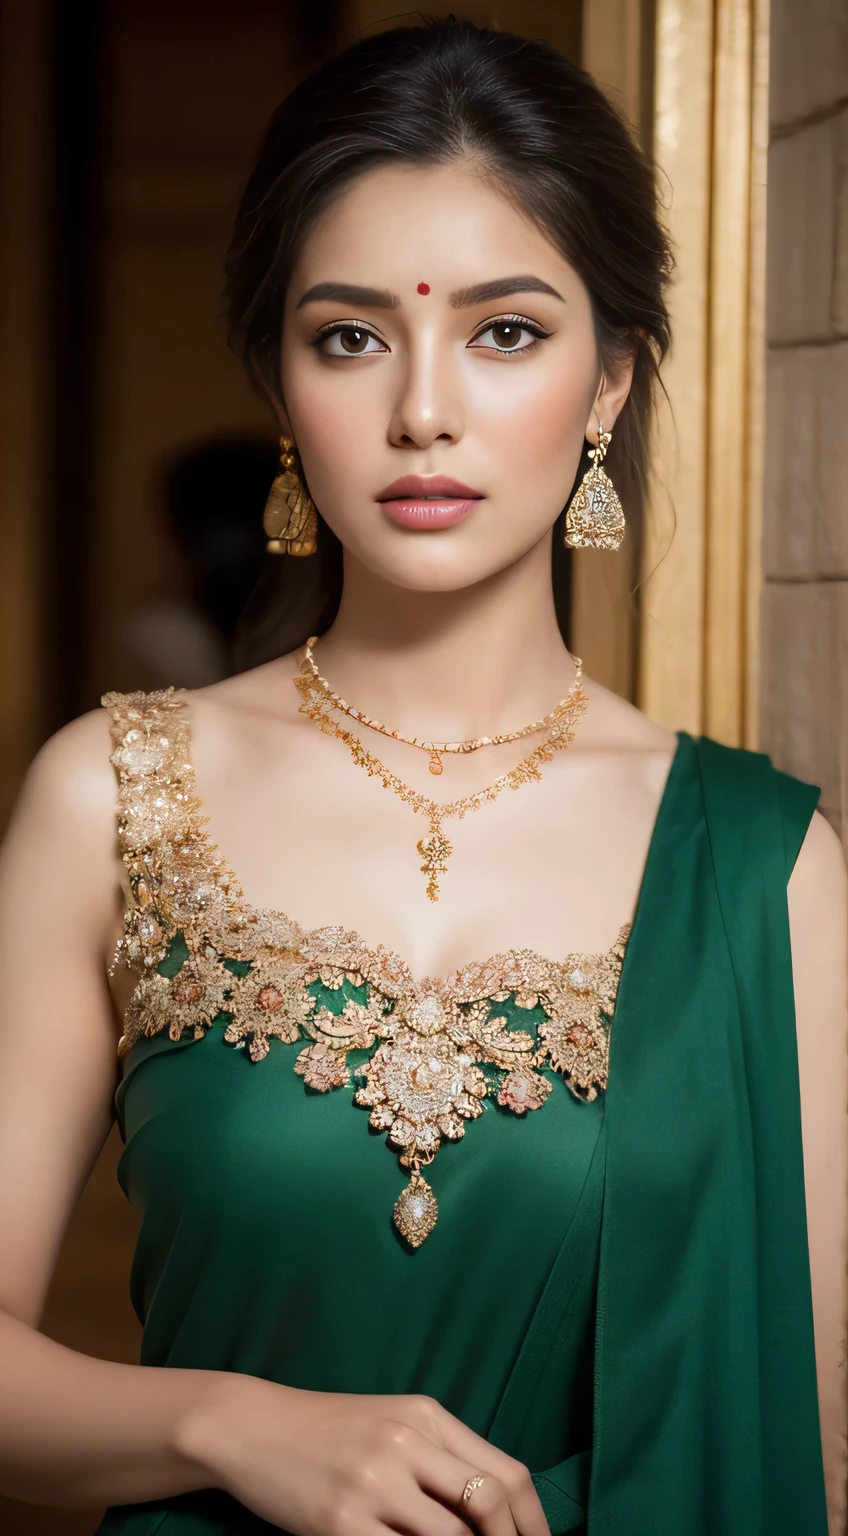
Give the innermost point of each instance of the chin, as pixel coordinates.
(433, 563)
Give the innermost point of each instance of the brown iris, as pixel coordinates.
(353, 340)
(506, 333)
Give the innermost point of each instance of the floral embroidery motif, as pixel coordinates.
(188, 1001)
(523, 1090)
(438, 1048)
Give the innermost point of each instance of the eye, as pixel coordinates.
(348, 341)
(509, 334)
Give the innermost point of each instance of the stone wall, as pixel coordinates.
(805, 623)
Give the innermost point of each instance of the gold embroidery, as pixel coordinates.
(439, 1047)
(188, 1001)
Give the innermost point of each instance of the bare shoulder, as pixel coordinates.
(261, 690)
(59, 856)
(612, 723)
(238, 715)
(627, 750)
(820, 875)
(72, 777)
(818, 920)
(818, 916)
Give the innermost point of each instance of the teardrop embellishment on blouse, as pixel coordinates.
(416, 1211)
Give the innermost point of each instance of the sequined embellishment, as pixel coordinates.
(435, 1050)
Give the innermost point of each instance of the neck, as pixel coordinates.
(449, 665)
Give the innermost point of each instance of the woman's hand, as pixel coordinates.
(344, 1464)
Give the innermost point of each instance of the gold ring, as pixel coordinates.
(473, 1482)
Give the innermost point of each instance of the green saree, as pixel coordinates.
(616, 1292)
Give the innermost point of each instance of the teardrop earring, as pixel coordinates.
(595, 517)
(290, 519)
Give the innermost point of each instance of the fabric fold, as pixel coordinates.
(562, 1493)
(706, 1417)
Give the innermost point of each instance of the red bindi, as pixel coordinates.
(423, 287)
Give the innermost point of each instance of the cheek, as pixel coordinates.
(533, 414)
(332, 423)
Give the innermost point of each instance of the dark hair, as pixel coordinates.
(543, 132)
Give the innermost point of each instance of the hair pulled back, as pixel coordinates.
(541, 131)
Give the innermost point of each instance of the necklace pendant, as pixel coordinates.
(416, 1211)
(435, 849)
(435, 764)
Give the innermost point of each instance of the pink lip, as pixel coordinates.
(428, 514)
(428, 501)
(418, 487)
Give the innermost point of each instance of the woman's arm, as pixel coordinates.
(818, 915)
(72, 1429)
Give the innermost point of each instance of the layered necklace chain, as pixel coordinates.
(435, 749)
(321, 704)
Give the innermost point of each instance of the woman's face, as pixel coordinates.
(432, 334)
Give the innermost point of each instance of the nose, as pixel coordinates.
(428, 405)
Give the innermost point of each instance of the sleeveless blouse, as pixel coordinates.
(568, 1214)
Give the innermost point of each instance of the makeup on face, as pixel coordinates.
(462, 298)
(357, 339)
(491, 379)
(428, 502)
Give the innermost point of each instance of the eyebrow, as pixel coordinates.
(499, 288)
(464, 298)
(350, 293)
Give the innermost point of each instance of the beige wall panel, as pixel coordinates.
(699, 654)
(802, 234)
(756, 374)
(805, 636)
(809, 60)
(839, 305)
(805, 686)
(730, 424)
(807, 465)
(671, 645)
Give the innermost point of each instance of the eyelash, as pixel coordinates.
(537, 331)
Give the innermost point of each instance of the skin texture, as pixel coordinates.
(433, 392)
(446, 634)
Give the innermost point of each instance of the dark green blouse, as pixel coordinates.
(616, 1292)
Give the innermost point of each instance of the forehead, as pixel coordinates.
(443, 224)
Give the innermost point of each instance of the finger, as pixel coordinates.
(525, 1506)
(415, 1513)
(449, 1432)
(386, 1482)
(444, 1475)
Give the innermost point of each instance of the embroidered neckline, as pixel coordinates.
(439, 1046)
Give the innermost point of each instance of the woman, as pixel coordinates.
(559, 1277)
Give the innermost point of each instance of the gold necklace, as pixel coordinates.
(434, 748)
(319, 702)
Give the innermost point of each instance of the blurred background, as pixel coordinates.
(135, 459)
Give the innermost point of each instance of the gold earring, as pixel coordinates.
(595, 518)
(290, 519)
